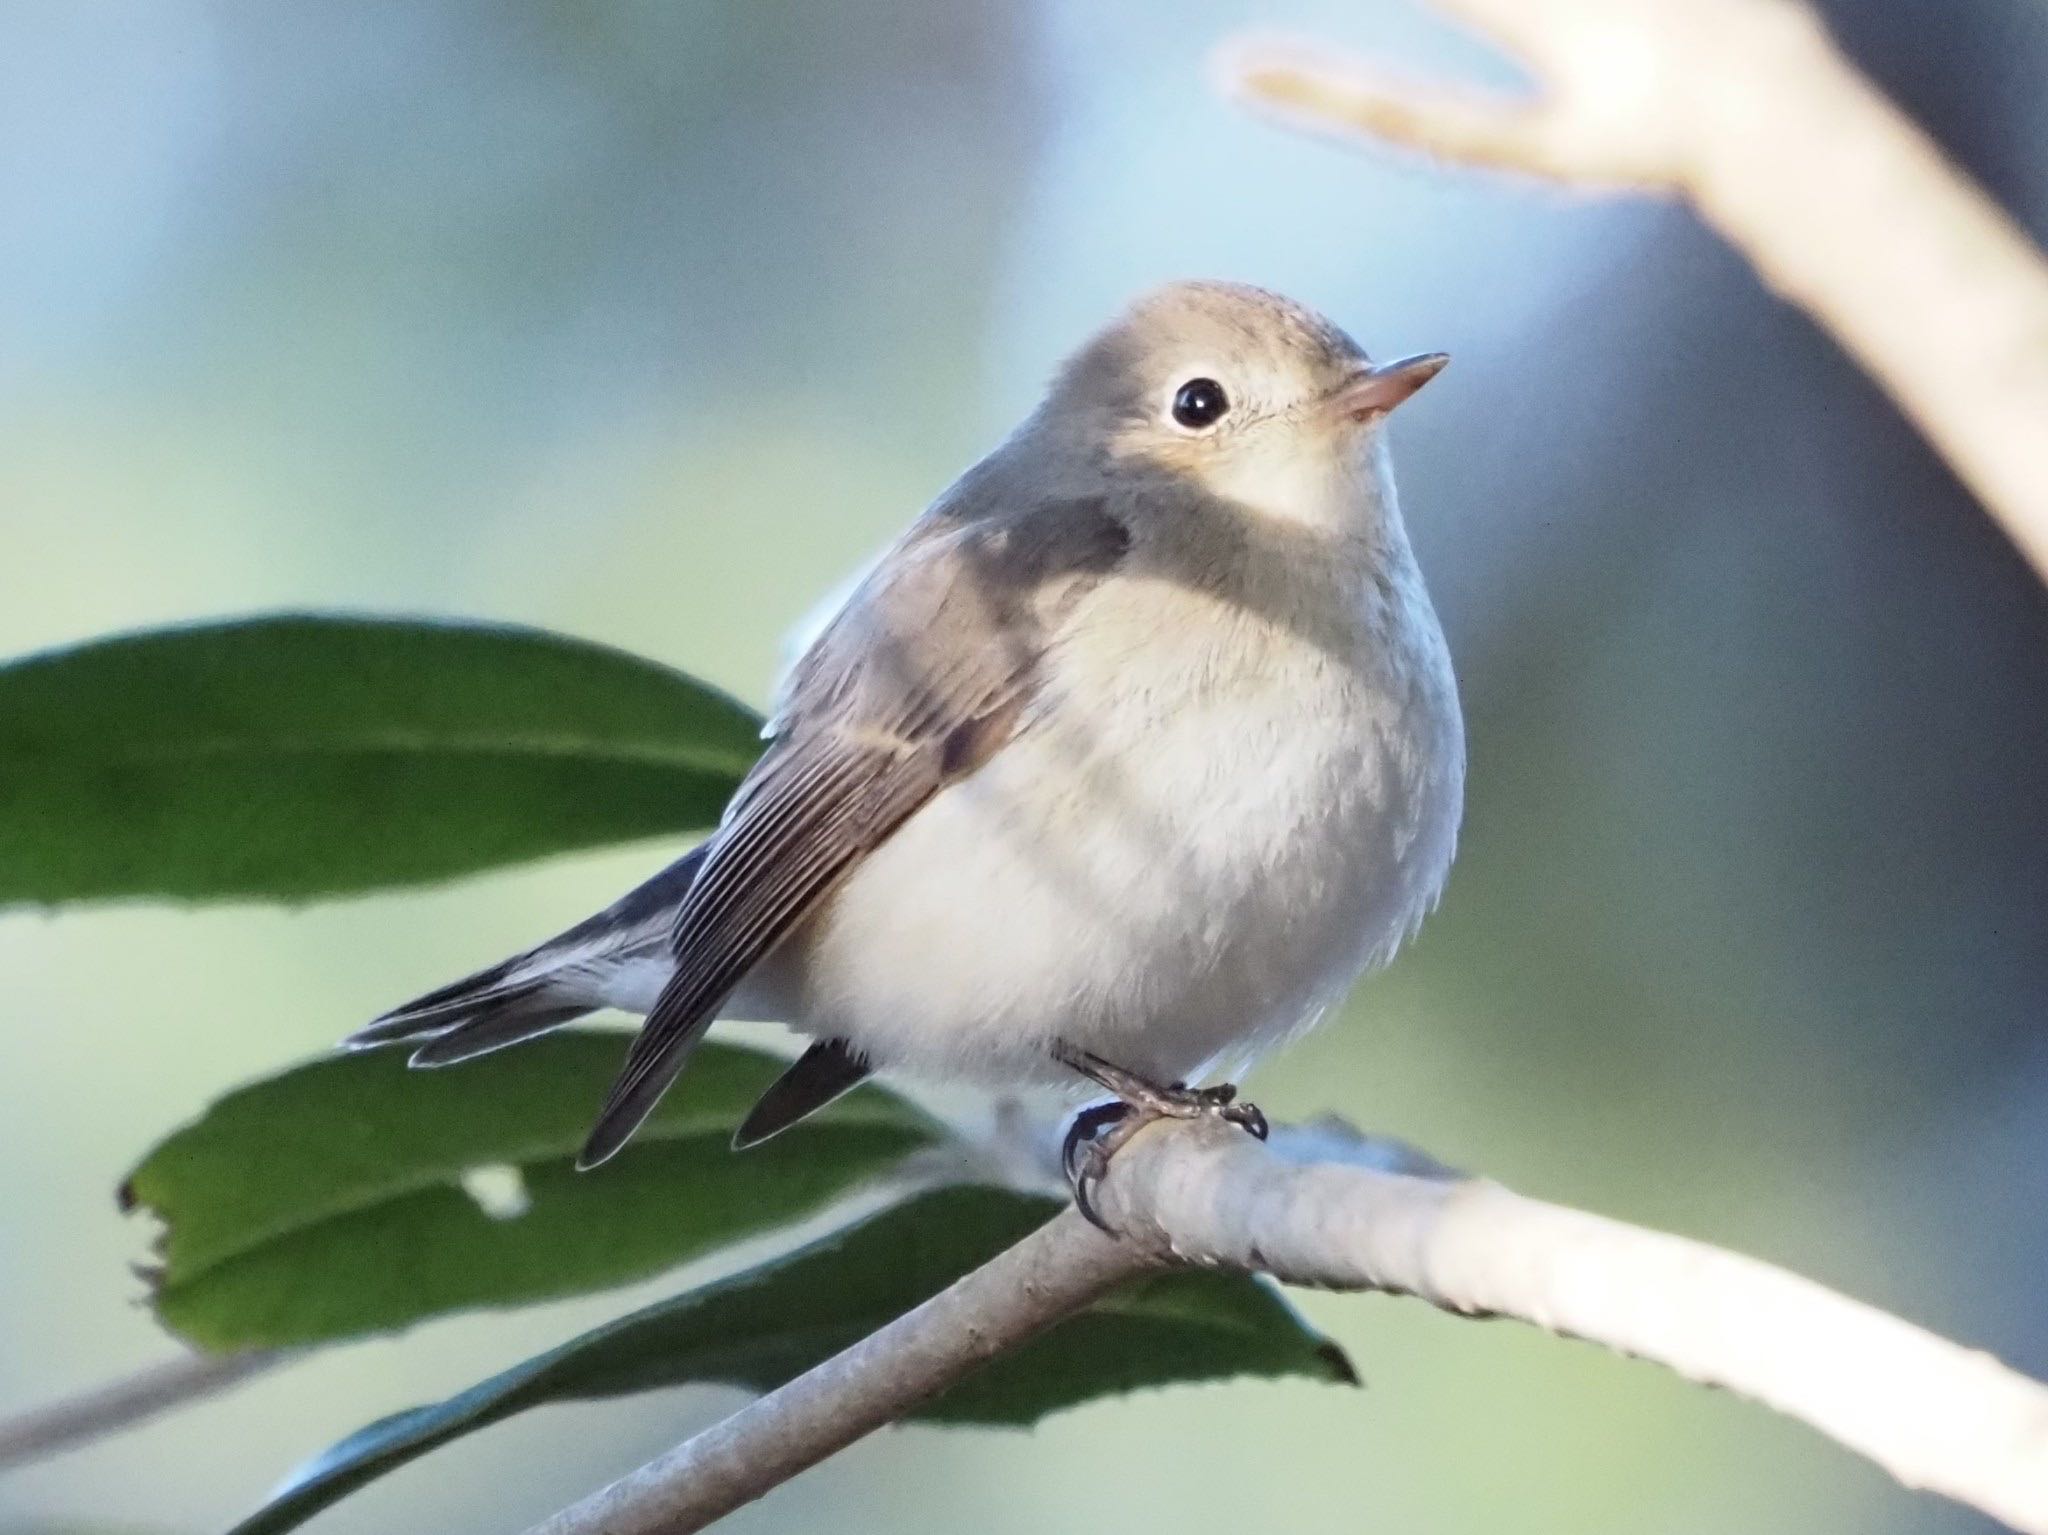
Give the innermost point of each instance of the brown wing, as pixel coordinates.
(924, 675)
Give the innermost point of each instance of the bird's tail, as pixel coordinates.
(474, 1016)
(538, 990)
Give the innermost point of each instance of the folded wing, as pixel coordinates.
(924, 675)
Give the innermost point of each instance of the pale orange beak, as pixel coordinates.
(1375, 390)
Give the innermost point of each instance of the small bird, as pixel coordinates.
(1120, 766)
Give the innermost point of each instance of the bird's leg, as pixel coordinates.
(1100, 1131)
(1149, 1099)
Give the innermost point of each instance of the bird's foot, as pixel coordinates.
(1099, 1132)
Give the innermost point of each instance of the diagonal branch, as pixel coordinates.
(1056, 1271)
(1748, 110)
(91, 1415)
(1932, 1413)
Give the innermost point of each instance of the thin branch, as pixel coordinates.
(1932, 1413)
(1747, 109)
(1053, 1273)
(91, 1415)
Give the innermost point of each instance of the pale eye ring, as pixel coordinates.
(1199, 404)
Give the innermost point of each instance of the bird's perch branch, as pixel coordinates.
(1932, 1413)
(1747, 109)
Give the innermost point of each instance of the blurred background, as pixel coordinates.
(650, 322)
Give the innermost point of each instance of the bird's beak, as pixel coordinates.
(1375, 390)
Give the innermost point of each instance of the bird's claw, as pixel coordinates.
(1249, 1118)
(1222, 1101)
(1095, 1133)
(1100, 1131)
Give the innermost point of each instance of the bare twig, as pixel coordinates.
(72, 1424)
(1050, 1275)
(1932, 1413)
(1747, 109)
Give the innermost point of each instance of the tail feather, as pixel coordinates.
(441, 1010)
(486, 1013)
(538, 990)
(494, 1025)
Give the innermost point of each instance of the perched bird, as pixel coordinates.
(1120, 765)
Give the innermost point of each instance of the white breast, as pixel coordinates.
(1212, 825)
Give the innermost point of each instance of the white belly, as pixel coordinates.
(1187, 877)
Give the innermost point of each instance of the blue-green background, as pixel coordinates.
(651, 321)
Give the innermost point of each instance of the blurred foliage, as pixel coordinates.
(331, 1200)
(300, 756)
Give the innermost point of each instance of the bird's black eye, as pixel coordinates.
(1199, 402)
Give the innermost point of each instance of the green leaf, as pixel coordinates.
(770, 1323)
(329, 1201)
(297, 756)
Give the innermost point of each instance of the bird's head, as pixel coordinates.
(1241, 392)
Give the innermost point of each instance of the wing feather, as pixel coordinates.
(924, 675)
